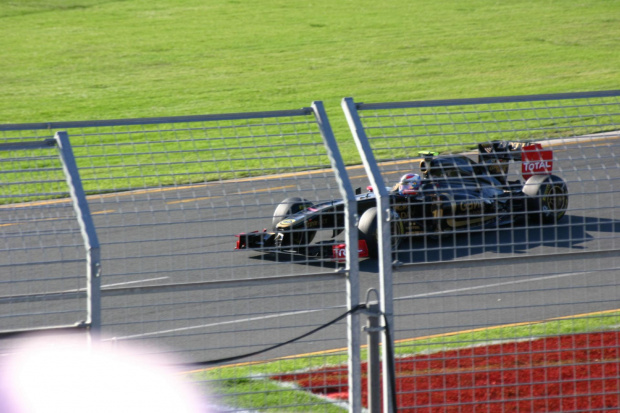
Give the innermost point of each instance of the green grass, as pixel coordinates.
(66, 60)
(257, 394)
(254, 377)
(89, 59)
(568, 325)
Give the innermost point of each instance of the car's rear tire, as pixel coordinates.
(288, 207)
(547, 200)
(368, 231)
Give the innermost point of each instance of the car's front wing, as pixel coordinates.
(270, 242)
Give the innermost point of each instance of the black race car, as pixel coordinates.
(455, 193)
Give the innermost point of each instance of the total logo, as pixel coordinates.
(538, 166)
(536, 161)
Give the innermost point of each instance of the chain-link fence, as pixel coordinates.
(186, 211)
(491, 224)
(495, 212)
(44, 263)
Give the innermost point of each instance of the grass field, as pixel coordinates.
(66, 60)
(96, 59)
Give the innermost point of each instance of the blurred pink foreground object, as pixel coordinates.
(68, 374)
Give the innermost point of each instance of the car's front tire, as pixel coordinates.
(285, 209)
(368, 231)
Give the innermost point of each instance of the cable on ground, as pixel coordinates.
(255, 353)
(389, 349)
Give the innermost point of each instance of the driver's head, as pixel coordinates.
(409, 184)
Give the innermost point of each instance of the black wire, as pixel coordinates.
(390, 350)
(234, 358)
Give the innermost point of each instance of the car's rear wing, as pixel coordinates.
(502, 150)
(534, 159)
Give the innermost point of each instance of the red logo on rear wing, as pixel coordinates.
(536, 161)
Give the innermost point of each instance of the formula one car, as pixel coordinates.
(454, 193)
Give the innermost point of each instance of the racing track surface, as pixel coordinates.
(514, 282)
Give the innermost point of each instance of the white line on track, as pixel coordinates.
(244, 320)
(480, 287)
(134, 282)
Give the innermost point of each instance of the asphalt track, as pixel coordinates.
(473, 280)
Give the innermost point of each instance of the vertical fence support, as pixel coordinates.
(352, 257)
(383, 238)
(89, 234)
(373, 329)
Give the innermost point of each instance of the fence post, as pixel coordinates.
(352, 257)
(383, 235)
(373, 329)
(89, 234)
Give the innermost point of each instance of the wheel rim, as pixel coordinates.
(396, 230)
(554, 201)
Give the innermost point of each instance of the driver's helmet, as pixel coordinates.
(409, 184)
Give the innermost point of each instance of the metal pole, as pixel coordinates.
(89, 234)
(374, 329)
(383, 235)
(352, 257)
